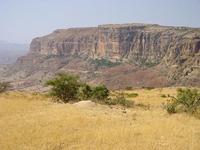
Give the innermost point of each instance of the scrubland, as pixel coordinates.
(31, 121)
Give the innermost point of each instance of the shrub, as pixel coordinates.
(190, 99)
(100, 92)
(150, 64)
(163, 96)
(64, 87)
(148, 88)
(4, 86)
(104, 63)
(131, 95)
(119, 100)
(144, 106)
(187, 100)
(67, 88)
(147, 64)
(128, 88)
(171, 107)
(85, 92)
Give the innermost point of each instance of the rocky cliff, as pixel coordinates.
(117, 55)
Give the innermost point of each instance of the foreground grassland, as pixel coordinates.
(32, 122)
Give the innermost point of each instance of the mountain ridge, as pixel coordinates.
(137, 54)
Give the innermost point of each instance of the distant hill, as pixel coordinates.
(119, 56)
(9, 52)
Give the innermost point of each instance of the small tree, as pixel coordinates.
(4, 86)
(100, 92)
(64, 87)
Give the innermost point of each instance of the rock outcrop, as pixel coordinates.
(140, 54)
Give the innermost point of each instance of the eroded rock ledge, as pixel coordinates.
(147, 55)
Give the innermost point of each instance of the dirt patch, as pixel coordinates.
(85, 104)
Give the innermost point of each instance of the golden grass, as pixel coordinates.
(33, 122)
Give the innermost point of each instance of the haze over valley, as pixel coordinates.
(9, 52)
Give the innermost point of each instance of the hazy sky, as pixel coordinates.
(22, 20)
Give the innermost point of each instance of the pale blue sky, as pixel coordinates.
(22, 20)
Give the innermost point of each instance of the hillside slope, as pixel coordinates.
(31, 121)
(116, 55)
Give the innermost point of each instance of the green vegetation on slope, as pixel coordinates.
(104, 63)
(67, 87)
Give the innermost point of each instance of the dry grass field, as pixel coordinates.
(32, 122)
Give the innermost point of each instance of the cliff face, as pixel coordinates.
(65, 42)
(174, 51)
(131, 42)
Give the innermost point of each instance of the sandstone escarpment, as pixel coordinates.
(170, 54)
(131, 42)
(65, 42)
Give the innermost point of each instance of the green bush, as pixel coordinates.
(84, 92)
(187, 100)
(104, 63)
(144, 106)
(4, 86)
(150, 64)
(131, 95)
(163, 96)
(119, 100)
(100, 92)
(64, 87)
(171, 107)
(148, 87)
(129, 88)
